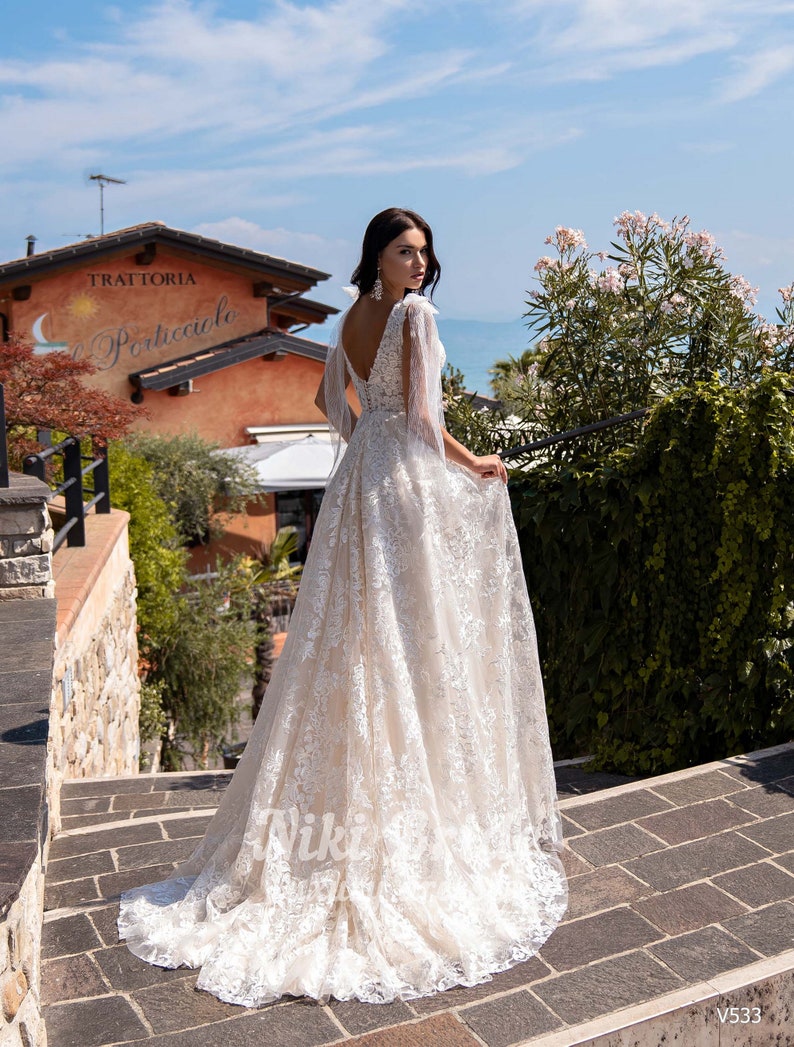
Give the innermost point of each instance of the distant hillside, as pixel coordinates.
(473, 345)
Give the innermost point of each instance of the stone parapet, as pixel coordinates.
(25, 540)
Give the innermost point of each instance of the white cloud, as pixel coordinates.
(177, 71)
(756, 72)
(596, 39)
(754, 251)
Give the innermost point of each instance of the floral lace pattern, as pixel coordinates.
(392, 827)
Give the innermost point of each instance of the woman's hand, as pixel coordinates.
(489, 465)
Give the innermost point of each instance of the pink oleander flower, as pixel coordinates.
(676, 301)
(543, 263)
(627, 270)
(630, 224)
(603, 255)
(610, 280)
(786, 293)
(704, 243)
(566, 238)
(659, 222)
(535, 295)
(742, 289)
(768, 333)
(571, 303)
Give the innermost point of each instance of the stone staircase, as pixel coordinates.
(680, 928)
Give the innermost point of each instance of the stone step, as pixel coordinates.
(96, 801)
(681, 891)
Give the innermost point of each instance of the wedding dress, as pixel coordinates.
(391, 829)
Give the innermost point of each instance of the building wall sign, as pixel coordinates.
(122, 346)
(142, 279)
(123, 317)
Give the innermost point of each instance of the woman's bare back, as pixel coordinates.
(363, 332)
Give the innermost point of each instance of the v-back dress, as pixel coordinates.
(391, 829)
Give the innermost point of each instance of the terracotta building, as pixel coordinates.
(206, 335)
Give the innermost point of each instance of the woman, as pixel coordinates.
(391, 829)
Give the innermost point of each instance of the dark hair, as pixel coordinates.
(384, 228)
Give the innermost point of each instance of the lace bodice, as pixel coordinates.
(383, 390)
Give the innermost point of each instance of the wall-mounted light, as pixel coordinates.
(183, 389)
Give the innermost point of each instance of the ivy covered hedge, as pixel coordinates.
(662, 578)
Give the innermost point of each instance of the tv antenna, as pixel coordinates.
(102, 180)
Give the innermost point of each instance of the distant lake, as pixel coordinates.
(474, 345)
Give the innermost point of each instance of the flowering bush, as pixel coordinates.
(612, 338)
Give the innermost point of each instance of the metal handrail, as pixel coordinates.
(72, 488)
(556, 438)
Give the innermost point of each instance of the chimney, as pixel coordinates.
(31, 240)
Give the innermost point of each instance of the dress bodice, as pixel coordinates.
(383, 390)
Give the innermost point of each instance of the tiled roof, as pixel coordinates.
(159, 233)
(207, 361)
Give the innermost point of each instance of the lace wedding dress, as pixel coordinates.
(392, 828)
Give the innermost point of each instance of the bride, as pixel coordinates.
(391, 829)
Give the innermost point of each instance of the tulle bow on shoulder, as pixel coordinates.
(420, 300)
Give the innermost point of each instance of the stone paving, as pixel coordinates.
(676, 882)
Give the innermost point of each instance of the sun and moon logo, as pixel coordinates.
(81, 306)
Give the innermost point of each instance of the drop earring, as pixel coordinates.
(377, 288)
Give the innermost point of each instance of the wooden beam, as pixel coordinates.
(147, 255)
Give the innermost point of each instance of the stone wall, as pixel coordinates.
(20, 965)
(27, 628)
(96, 689)
(69, 704)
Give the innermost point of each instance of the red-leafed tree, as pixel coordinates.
(48, 392)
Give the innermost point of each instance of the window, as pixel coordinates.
(298, 509)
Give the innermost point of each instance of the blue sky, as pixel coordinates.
(285, 126)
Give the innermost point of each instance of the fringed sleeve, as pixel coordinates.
(337, 408)
(425, 411)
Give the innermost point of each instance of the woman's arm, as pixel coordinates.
(456, 452)
(319, 401)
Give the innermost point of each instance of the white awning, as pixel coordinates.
(289, 465)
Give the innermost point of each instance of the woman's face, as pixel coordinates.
(403, 262)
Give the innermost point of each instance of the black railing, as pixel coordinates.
(4, 480)
(572, 434)
(72, 488)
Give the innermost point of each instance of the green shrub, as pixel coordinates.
(196, 480)
(155, 547)
(662, 578)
